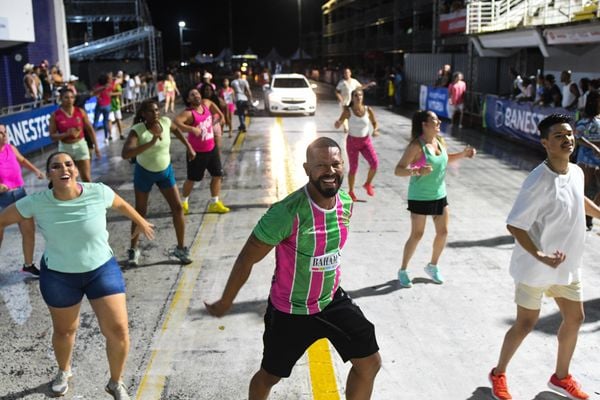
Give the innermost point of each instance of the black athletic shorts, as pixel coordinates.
(210, 161)
(427, 207)
(287, 336)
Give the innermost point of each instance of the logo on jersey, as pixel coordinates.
(326, 262)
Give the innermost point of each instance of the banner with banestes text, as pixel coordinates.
(517, 120)
(434, 99)
(29, 130)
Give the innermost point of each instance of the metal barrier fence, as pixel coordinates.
(126, 104)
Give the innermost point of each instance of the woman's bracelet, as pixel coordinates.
(415, 172)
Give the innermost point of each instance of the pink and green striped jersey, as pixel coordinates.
(308, 242)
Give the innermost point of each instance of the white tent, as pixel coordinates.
(300, 55)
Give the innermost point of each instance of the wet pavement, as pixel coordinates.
(437, 341)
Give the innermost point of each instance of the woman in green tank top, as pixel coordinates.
(425, 161)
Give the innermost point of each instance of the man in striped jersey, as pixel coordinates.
(308, 230)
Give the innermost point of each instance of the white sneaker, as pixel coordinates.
(133, 257)
(117, 390)
(60, 384)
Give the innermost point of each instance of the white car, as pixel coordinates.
(290, 93)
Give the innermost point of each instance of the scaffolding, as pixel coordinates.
(113, 29)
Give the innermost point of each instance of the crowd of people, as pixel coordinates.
(71, 214)
(308, 229)
(545, 91)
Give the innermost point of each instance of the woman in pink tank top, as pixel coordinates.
(11, 190)
(69, 125)
(226, 93)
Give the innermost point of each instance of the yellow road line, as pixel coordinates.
(159, 367)
(153, 382)
(320, 363)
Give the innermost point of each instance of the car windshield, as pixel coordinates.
(289, 83)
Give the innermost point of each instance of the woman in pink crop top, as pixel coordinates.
(11, 190)
(228, 96)
(68, 126)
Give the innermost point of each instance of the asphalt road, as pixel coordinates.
(437, 341)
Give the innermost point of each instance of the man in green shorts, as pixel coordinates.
(308, 230)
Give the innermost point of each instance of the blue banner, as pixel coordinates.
(434, 99)
(517, 120)
(29, 130)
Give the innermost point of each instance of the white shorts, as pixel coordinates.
(78, 150)
(111, 116)
(530, 297)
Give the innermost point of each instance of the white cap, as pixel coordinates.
(73, 78)
(28, 67)
(207, 75)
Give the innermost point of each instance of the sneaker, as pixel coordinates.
(31, 269)
(182, 254)
(186, 208)
(117, 390)
(568, 387)
(105, 140)
(60, 384)
(353, 196)
(404, 279)
(218, 207)
(434, 273)
(499, 386)
(133, 257)
(370, 189)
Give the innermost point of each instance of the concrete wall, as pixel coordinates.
(12, 59)
(583, 61)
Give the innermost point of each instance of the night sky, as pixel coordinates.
(259, 24)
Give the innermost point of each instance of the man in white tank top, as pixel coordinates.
(570, 91)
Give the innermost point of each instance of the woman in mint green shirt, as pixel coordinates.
(77, 262)
(425, 161)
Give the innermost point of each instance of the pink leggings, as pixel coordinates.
(364, 146)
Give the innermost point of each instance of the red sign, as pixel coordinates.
(455, 22)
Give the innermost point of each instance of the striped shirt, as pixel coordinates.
(308, 242)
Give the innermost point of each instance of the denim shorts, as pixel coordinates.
(61, 289)
(7, 198)
(143, 180)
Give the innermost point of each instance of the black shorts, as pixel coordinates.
(427, 207)
(287, 336)
(210, 161)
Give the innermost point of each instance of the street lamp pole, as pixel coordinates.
(181, 26)
(300, 26)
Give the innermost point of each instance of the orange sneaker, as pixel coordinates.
(567, 386)
(499, 386)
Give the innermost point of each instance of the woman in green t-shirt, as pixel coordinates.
(425, 161)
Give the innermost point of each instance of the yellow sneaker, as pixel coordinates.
(186, 208)
(218, 207)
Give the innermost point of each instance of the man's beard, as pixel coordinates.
(327, 192)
